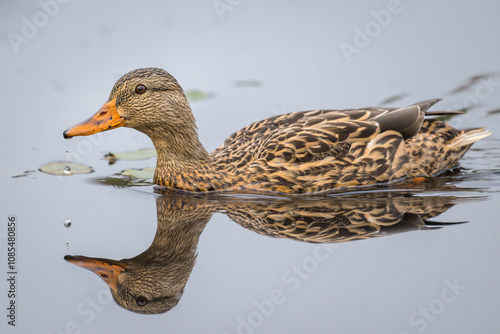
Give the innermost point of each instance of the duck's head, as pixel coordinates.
(146, 289)
(148, 99)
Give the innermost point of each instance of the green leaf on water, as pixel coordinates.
(121, 181)
(444, 118)
(247, 83)
(197, 95)
(144, 153)
(65, 168)
(145, 173)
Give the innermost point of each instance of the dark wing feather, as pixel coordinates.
(407, 120)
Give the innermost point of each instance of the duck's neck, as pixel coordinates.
(183, 163)
(171, 257)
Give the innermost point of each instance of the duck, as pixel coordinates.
(300, 152)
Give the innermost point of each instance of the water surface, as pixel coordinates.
(255, 60)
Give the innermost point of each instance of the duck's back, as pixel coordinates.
(322, 149)
(297, 137)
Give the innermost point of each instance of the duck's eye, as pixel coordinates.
(141, 301)
(140, 89)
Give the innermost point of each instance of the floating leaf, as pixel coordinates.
(122, 181)
(144, 153)
(65, 168)
(444, 118)
(197, 95)
(247, 83)
(145, 173)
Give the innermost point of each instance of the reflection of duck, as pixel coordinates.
(153, 281)
(341, 218)
(293, 153)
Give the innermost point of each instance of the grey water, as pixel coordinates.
(251, 60)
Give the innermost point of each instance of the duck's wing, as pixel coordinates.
(313, 135)
(297, 136)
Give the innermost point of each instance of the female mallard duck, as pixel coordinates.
(300, 152)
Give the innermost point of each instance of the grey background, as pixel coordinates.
(65, 72)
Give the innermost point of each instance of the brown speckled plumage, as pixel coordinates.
(300, 152)
(339, 219)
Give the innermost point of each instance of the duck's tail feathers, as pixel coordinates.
(469, 137)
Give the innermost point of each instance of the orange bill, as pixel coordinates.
(108, 270)
(106, 118)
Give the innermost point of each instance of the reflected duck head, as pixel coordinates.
(138, 288)
(154, 281)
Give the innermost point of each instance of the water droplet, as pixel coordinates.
(67, 149)
(67, 244)
(67, 170)
(291, 212)
(67, 223)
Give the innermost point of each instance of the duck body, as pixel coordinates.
(300, 152)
